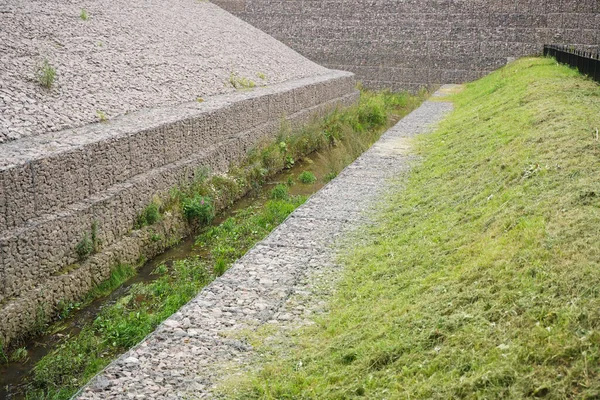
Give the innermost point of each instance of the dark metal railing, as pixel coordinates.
(588, 63)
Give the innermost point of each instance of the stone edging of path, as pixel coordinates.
(283, 280)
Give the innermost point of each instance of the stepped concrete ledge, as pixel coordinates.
(53, 187)
(282, 281)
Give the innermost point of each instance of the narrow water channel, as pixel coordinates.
(13, 375)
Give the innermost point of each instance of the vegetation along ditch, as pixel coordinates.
(277, 177)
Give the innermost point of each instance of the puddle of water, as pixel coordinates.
(13, 375)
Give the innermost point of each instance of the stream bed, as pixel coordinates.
(14, 374)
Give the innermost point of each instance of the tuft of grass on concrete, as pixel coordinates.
(481, 277)
(46, 74)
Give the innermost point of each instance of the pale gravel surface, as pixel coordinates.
(129, 55)
(283, 281)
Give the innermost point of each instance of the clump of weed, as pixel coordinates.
(101, 116)
(220, 267)
(160, 270)
(84, 15)
(149, 216)
(66, 308)
(280, 192)
(284, 151)
(261, 76)
(85, 247)
(118, 275)
(89, 244)
(46, 74)
(290, 181)
(272, 159)
(19, 355)
(199, 209)
(240, 82)
(41, 322)
(307, 177)
(200, 100)
(329, 176)
(155, 237)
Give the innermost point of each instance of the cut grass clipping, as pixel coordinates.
(481, 278)
(346, 133)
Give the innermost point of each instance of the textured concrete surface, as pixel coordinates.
(127, 56)
(282, 281)
(405, 44)
(59, 184)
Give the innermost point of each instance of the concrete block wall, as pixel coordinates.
(54, 187)
(407, 44)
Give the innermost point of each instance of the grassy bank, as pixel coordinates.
(481, 278)
(345, 133)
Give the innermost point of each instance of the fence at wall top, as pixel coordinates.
(587, 62)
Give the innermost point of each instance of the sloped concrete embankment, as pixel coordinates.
(281, 281)
(410, 44)
(54, 187)
(113, 57)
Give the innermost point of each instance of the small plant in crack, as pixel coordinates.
(149, 216)
(46, 74)
(84, 15)
(85, 247)
(239, 82)
(89, 244)
(101, 116)
(94, 236)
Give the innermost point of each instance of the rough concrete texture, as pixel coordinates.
(282, 281)
(406, 44)
(59, 184)
(127, 56)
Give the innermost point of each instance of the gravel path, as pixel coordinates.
(283, 281)
(128, 55)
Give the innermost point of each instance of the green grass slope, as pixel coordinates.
(481, 278)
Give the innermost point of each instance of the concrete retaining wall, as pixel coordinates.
(54, 187)
(405, 44)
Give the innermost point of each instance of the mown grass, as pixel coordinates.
(121, 325)
(481, 277)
